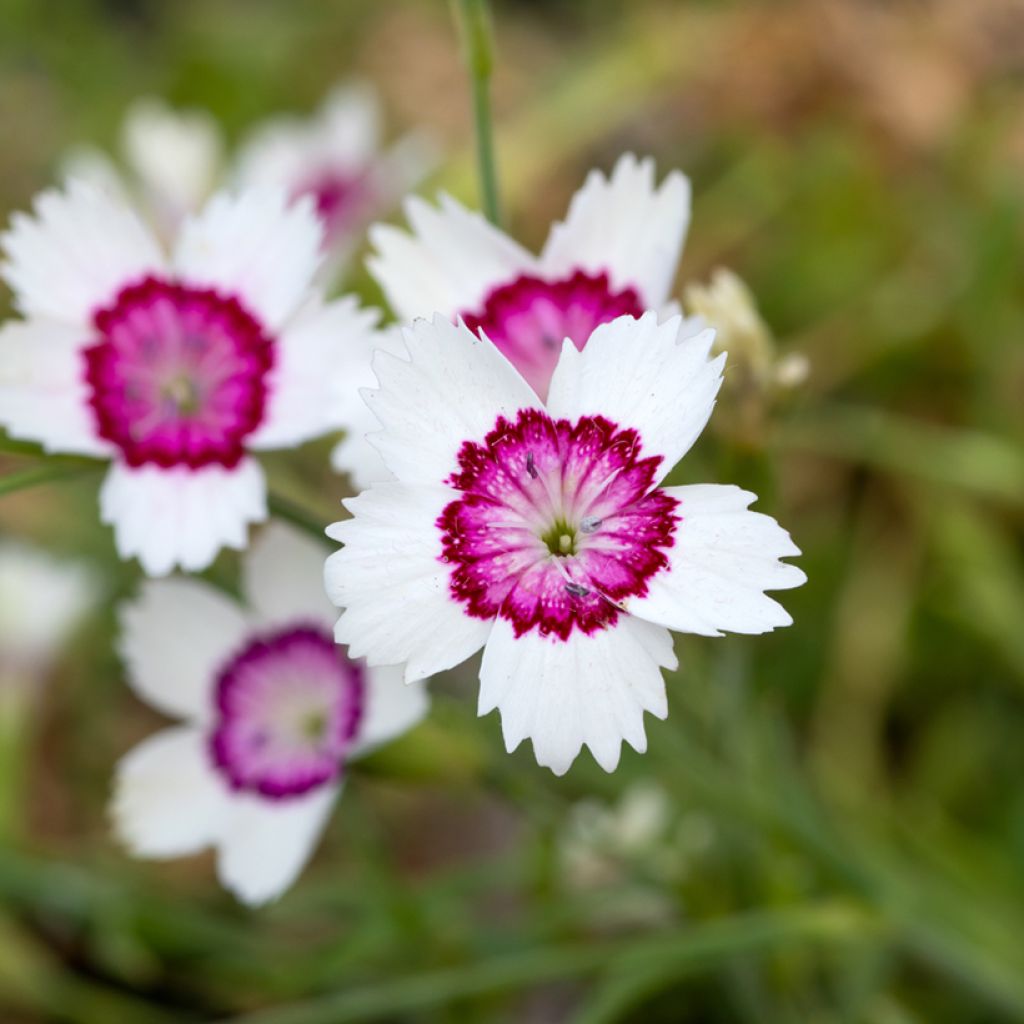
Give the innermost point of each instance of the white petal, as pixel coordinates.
(591, 689)
(391, 707)
(255, 245)
(283, 577)
(42, 600)
(626, 226)
(451, 390)
(723, 559)
(181, 516)
(176, 155)
(393, 586)
(354, 454)
(341, 136)
(168, 799)
(322, 357)
(175, 637)
(43, 393)
(265, 843)
(400, 168)
(81, 247)
(655, 378)
(447, 265)
(93, 166)
(349, 122)
(278, 152)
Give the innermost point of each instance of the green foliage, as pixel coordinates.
(843, 825)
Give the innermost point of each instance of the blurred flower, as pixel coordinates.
(336, 157)
(273, 712)
(42, 599)
(599, 839)
(622, 853)
(616, 253)
(175, 366)
(757, 375)
(728, 305)
(175, 159)
(538, 532)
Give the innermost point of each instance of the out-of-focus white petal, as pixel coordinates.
(168, 800)
(394, 588)
(342, 137)
(723, 559)
(176, 154)
(656, 378)
(75, 253)
(591, 689)
(452, 389)
(264, 844)
(41, 600)
(283, 577)
(349, 124)
(175, 637)
(255, 245)
(354, 454)
(93, 166)
(181, 516)
(322, 357)
(43, 393)
(625, 225)
(449, 262)
(391, 707)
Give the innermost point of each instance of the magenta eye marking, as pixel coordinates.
(556, 525)
(529, 318)
(178, 375)
(340, 198)
(289, 705)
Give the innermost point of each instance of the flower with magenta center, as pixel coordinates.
(176, 367)
(540, 532)
(172, 160)
(615, 254)
(272, 711)
(336, 157)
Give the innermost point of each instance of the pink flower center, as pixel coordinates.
(529, 319)
(289, 705)
(557, 523)
(178, 375)
(340, 199)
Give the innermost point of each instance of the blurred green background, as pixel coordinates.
(830, 825)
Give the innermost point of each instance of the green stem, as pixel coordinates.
(690, 948)
(49, 472)
(475, 23)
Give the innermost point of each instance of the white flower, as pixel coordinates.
(272, 713)
(537, 531)
(175, 366)
(336, 157)
(42, 599)
(174, 159)
(616, 253)
(597, 840)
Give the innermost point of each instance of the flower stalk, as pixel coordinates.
(474, 22)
